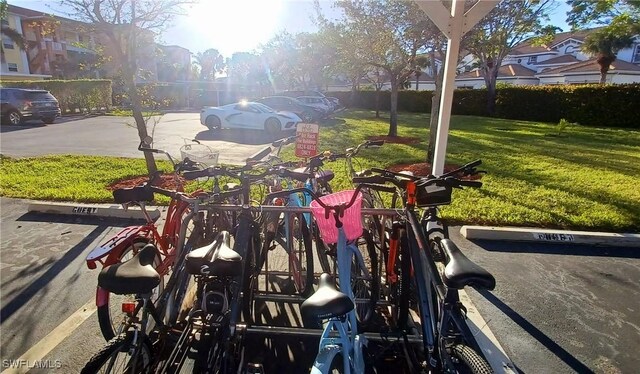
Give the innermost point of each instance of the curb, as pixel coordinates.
(523, 234)
(96, 210)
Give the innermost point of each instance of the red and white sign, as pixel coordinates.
(307, 140)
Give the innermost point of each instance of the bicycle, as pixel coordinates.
(439, 269)
(130, 240)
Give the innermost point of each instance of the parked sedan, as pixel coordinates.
(317, 102)
(248, 115)
(308, 113)
(19, 105)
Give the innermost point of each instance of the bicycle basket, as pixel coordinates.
(200, 153)
(351, 220)
(432, 195)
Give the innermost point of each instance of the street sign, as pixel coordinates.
(307, 140)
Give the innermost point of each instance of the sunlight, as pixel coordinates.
(231, 26)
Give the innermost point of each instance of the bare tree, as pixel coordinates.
(122, 23)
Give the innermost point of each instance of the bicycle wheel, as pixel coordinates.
(466, 360)
(253, 266)
(401, 290)
(210, 352)
(365, 282)
(297, 243)
(110, 315)
(116, 357)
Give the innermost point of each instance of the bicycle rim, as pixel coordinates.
(365, 283)
(116, 356)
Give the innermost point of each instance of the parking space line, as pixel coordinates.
(55, 337)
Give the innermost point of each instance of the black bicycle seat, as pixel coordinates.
(461, 272)
(215, 259)
(327, 302)
(127, 195)
(135, 276)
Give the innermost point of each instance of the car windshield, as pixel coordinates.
(263, 108)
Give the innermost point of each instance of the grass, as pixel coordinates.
(586, 178)
(129, 113)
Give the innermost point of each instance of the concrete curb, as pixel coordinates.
(523, 234)
(92, 210)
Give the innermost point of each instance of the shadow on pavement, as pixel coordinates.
(558, 249)
(552, 346)
(78, 220)
(252, 137)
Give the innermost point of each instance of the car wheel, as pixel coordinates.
(272, 126)
(49, 120)
(213, 123)
(14, 117)
(307, 117)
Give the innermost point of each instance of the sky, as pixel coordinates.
(240, 25)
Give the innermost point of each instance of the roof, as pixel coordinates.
(564, 59)
(526, 47)
(505, 71)
(591, 66)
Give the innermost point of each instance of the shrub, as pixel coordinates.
(82, 95)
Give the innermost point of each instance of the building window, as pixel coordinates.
(533, 59)
(12, 67)
(636, 54)
(7, 44)
(5, 22)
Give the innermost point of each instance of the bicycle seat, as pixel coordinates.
(216, 258)
(127, 195)
(132, 277)
(324, 175)
(461, 272)
(327, 302)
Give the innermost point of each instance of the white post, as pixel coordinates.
(448, 85)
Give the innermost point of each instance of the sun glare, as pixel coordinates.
(231, 26)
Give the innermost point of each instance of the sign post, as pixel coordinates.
(307, 140)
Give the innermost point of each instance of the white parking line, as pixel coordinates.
(55, 337)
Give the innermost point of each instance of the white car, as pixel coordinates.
(317, 102)
(248, 115)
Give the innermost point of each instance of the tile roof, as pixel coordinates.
(511, 70)
(591, 66)
(526, 47)
(564, 59)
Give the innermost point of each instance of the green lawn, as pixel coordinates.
(585, 179)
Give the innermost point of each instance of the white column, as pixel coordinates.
(448, 85)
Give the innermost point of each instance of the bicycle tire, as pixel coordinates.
(210, 351)
(469, 361)
(120, 344)
(107, 316)
(365, 289)
(403, 284)
(325, 252)
(302, 261)
(253, 266)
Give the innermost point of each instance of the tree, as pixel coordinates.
(249, 70)
(9, 32)
(377, 77)
(127, 25)
(387, 34)
(210, 62)
(621, 20)
(507, 25)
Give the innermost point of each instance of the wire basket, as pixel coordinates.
(352, 219)
(200, 153)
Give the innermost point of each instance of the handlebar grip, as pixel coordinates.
(374, 143)
(374, 179)
(191, 175)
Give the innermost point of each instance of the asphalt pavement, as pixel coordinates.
(118, 136)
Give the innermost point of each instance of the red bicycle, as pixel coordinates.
(126, 243)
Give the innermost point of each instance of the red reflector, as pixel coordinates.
(91, 264)
(128, 307)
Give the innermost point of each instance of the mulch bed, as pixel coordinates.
(166, 181)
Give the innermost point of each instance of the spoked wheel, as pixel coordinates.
(110, 315)
(326, 252)
(116, 356)
(300, 254)
(253, 266)
(365, 279)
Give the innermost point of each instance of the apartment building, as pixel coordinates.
(15, 61)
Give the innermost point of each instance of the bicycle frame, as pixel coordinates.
(349, 342)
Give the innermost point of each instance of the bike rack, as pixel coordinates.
(273, 331)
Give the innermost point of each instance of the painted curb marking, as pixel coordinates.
(113, 211)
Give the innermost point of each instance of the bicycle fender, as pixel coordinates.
(322, 363)
(118, 242)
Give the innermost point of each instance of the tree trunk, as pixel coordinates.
(604, 61)
(490, 81)
(393, 115)
(377, 102)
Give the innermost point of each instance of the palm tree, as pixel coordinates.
(13, 35)
(605, 44)
(210, 62)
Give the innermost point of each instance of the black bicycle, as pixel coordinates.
(432, 269)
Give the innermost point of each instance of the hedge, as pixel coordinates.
(589, 105)
(82, 95)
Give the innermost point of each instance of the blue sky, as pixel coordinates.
(241, 25)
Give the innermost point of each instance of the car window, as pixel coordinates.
(244, 108)
(39, 95)
(263, 108)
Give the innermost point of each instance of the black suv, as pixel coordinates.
(20, 104)
(308, 113)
